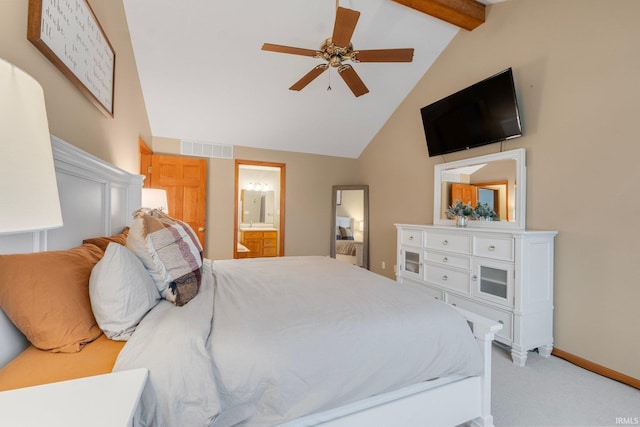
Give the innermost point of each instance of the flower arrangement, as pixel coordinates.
(459, 209)
(483, 211)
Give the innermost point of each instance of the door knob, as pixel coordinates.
(201, 229)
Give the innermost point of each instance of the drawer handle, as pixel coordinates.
(444, 277)
(445, 259)
(410, 237)
(501, 322)
(445, 242)
(474, 277)
(454, 305)
(492, 248)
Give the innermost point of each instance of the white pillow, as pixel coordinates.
(121, 292)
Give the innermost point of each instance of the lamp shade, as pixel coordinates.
(155, 198)
(28, 188)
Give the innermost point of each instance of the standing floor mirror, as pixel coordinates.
(350, 224)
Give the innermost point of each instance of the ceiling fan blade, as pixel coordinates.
(288, 49)
(352, 80)
(346, 20)
(383, 55)
(309, 77)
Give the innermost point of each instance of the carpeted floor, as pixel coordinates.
(553, 392)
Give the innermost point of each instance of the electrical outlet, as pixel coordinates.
(383, 265)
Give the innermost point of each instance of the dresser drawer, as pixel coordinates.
(270, 243)
(270, 234)
(448, 259)
(252, 234)
(449, 242)
(269, 252)
(506, 334)
(452, 279)
(491, 247)
(411, 237)
(435, 293)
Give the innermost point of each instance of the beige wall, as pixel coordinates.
(576, 66)
(72, 116)
(309, 179)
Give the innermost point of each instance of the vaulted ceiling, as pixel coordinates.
(205, 78)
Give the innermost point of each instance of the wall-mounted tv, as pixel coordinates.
(481, 114)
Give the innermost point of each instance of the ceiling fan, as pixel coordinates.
(337, 49)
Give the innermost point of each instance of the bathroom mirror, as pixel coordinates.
(257, 206)
(496, 179)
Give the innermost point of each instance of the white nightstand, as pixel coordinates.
(108, 400)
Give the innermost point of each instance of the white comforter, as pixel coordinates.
(284, 337)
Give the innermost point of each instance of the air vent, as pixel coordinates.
(206, 149)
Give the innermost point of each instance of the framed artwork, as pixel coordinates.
(68, 33)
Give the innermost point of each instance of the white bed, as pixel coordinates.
(98, 199)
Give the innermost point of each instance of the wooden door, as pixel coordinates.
(145, 161)
(465, 193)
(185, 180)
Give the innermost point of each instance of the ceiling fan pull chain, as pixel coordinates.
(329, 87)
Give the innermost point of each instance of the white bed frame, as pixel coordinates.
(98, 199)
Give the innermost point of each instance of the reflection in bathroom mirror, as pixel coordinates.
(499, 180)
(257, 206)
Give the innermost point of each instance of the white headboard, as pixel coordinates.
(97, 199)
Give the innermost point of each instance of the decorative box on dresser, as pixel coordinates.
(504, 275)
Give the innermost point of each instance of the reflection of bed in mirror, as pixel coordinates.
(348, 249)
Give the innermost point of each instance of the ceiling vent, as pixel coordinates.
(206, 149)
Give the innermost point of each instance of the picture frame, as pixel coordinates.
(71, 37)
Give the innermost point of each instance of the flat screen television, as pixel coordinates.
(483, 113)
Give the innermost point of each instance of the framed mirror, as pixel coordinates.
(350, 224)
(497, 180)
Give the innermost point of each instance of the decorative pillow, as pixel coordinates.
(171, 253)
(46, 295)
(121, 292)
(103, 242)
(346, 233)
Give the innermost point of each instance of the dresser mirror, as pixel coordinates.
(498, 180)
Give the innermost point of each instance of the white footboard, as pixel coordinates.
(484, 330)
(442, 402)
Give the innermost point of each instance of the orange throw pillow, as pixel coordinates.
(46, 295)
(103, 242)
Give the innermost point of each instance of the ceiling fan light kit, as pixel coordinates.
(337, 49)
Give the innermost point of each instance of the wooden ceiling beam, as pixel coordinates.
(467, 14)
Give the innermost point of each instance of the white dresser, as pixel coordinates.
(506, 276)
